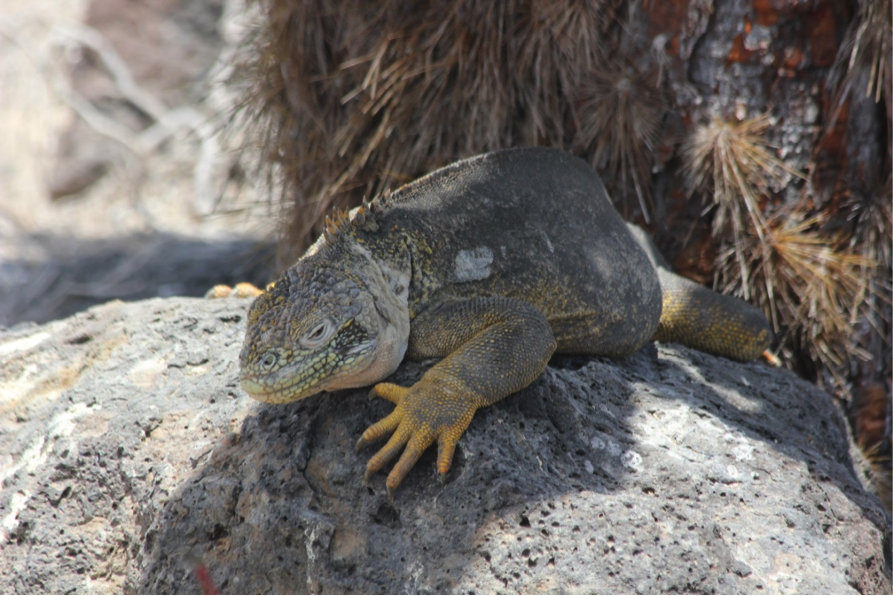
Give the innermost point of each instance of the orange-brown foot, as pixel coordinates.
(242, 290)
(424, 413)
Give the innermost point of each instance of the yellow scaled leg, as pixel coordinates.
(492, 347)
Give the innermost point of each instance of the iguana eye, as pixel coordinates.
(269, 360)
(318, 335)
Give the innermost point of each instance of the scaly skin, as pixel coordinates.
(492, 264)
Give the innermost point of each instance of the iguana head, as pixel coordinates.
(318, 328)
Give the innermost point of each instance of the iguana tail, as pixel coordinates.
(700, 318)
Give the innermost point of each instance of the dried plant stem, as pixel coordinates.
(619, 123)
(734, 159)
(866, 47)
(813, 285)
(356, 96)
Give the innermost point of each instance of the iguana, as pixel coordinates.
(493, 264)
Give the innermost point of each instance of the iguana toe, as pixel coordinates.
(389, 391)
(392, 448)
(414, 449)
(379, 430)
(446, 448)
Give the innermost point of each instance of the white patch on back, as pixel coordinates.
(473, 264)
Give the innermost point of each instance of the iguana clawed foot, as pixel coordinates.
(425, 412)
(240, 290)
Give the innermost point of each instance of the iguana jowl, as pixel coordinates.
(493, 264)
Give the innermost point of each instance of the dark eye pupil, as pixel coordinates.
(317, 333)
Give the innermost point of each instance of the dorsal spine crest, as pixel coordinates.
(340, 218)
(335, 224)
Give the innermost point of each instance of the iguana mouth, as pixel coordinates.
(274, 395)
(293, 381)
(298, 380)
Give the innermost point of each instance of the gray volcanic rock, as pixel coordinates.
(131, 458)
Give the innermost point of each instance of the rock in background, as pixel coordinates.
(132, 457)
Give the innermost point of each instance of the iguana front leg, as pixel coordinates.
(491, 348)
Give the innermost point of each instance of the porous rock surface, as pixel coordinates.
(131, 457)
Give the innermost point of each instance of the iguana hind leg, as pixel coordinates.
(491, 348)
